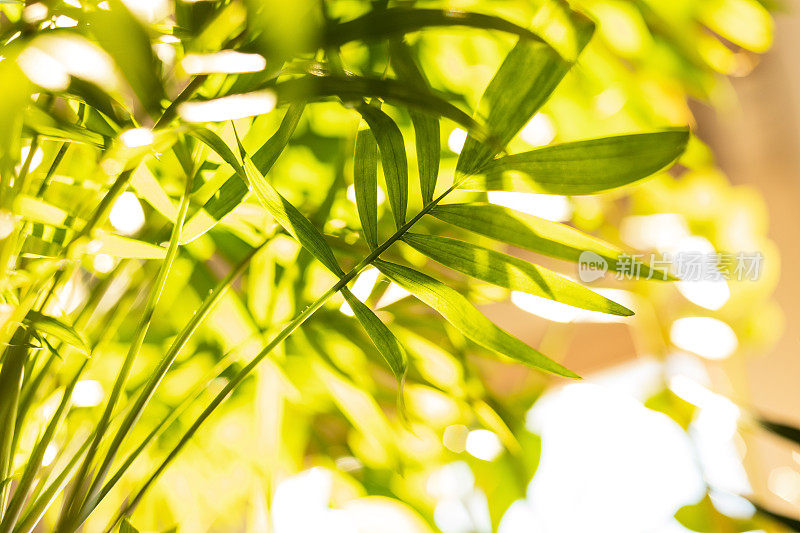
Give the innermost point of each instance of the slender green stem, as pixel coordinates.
(279, 338)
(35, 460)
(75, 501)
(10, 385)
(146, 394)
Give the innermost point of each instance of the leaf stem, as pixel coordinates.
(280, 337)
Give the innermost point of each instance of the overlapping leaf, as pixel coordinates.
(365, 183)
(380, 335)
(286, 214)
(524, 81)
(56, 328)
(426, 128)
(538, 235)
(234, 188)
(393, 159)
(457, 310)
(512, 273)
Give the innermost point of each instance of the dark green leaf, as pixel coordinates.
(393, 157)
(353, 88)
(426, 128)
(63, 332)
(524, 81)
(457, 310)
(365, 182)
(538, 235)
(584, 167)
(383, 339)
(790, 433)
(378, 24)
(511, 273)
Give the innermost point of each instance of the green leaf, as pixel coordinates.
(288, 215)
(126, 527)
(124, 247)
(380, 23)
(393, 157)
(790, 433)
(380, 335)
(56, 328)
(426, 128)
(234, 189)
(215, 142)
(524, 81)
(511, 272)
(52, 127)
(457, 310)
(538, 235)
(353, 88)
(584, 167)
(121, 35)
(268, 154)
(365, 182)
(36, 210)
(149, 189)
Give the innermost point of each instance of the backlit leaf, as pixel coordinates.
(56, 328)
(124, 247)
(365, 183)
(393, 157)
(511, 273)
(287, 215)
(383, 339)
(457, 310)
(234, 189)
(584, 167)
(426, 128)
(538, 235)
(524, 81)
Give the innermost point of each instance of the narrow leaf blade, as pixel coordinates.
(512, 273)
(365, 182)
(287, 215)
(234, 189)
(58, 329)
(393, 156)
(539, 235)
(457, 310)
(584, 167)
(426, 128)
(526, 78)
(380, 335)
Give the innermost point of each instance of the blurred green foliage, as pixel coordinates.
(156, 209)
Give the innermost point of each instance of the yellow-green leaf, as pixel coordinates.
(538, 235)
(584, 167)
(365, 183)
(457, 310)
(511, 272)
(393, 157)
